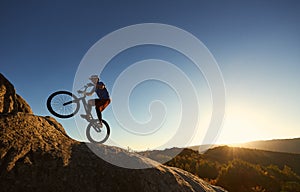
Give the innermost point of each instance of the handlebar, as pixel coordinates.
(90, 84)
(85, 88)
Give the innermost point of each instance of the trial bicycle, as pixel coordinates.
(64, 104)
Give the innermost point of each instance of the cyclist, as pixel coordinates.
(101, 103)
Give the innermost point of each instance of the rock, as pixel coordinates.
(36, 154)
(23, 105)
(7, 96)
(10, 102)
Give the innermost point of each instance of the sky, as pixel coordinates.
(256, 45)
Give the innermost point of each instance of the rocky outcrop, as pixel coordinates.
(22, 105)
(10, 102)
(36, 154)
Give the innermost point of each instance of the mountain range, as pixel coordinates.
(279, 145)
(237, 169)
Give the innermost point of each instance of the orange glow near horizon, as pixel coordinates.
(245, 122)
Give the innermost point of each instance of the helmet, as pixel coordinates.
(94, 77)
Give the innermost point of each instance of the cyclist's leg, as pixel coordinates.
(101, 104)
(104, 104)
(91, 103)
(88, 114)
(97, 107)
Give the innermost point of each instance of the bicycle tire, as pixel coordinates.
(55, 104)
(105, 127)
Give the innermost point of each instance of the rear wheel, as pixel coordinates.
(97, 134)
(63, 104)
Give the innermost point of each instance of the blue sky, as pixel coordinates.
(255, 43)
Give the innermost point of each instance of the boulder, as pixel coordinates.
(10, 102)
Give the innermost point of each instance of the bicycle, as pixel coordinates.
(64, 104)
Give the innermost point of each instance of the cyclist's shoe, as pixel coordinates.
(100, 124)
(87, 117)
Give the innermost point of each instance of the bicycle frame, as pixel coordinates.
(82, 99)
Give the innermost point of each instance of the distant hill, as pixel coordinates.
(225, 154)
(238, 169)
(280, 145)
(277, 145)
(203, 148)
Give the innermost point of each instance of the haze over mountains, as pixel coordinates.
(279, 145)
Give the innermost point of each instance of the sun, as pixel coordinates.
(244, 124)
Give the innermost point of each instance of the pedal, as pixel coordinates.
(87, 117)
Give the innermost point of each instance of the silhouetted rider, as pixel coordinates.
(101, 103)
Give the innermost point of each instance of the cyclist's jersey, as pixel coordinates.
(101, 91)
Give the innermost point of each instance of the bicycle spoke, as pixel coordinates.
(63, 104)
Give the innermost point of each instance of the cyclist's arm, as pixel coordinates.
(91, 92)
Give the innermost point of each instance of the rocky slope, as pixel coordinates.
(37, 155)
(10, 102)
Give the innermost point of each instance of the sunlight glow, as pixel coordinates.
(248, 122)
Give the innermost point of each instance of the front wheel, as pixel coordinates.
(63, 104)
(97, 134)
